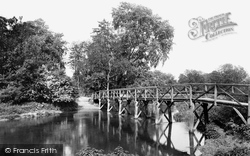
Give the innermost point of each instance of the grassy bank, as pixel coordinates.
(27, 110)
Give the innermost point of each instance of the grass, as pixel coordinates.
(9, 111)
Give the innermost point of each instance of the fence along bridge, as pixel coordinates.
(202, 96)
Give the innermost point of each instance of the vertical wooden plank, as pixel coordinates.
(172, 94)
(248, 117)
(205, 110)
(206, 91)
(136, 105)
(127, 94)
(215, 94)
(170, 113)
(120, 103)
(108, 102)
(157, 109)
(191, 107)
(100, 101)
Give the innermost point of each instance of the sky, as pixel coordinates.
(76, 19)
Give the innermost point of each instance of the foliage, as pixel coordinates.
(183, 113)
(191, 76)
(154, 78)
(8, 111)
(119, 151)
(224, 147)
(29, 54)
(242, 132)
(61, 88)
(124, 49)
(228, 73)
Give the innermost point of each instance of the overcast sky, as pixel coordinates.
(76, 18)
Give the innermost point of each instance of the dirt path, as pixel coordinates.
(86, 104)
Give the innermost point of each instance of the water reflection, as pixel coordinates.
(105, 131)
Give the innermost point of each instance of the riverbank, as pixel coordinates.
(27, 110)
(225, 135)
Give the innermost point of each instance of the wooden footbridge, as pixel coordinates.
(200, 97)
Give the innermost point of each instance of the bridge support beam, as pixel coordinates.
(121, 109)
(170, 114)
(205, 110)
(100, 103)
(108, 105)
(137, 110)
(157, 112)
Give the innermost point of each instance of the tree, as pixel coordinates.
(191, 76)
(228, 73)
(146, 39)
(154, 78)
(27, 51)
(77, 60)
(124, 50)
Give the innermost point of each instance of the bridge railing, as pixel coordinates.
(237, 93)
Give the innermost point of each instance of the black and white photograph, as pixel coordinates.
(124, 78)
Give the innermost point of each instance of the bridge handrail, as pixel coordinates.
(182, 84)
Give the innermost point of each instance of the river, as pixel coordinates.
(90, 127)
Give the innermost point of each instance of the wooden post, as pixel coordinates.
(137, 113)
(157, 109)
(215, 95)
(120, 106)
(205, 110)
(206, 91)
(108, 103)
(169, 135)
(172, 93)
(248, 117)
(170, 113)
(100, 101)
(192, 107)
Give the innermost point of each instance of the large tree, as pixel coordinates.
(31, 55)
(126, 48)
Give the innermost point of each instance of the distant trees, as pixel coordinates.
(124, 49)
(154, 78)
(226, 73)
(191, 76)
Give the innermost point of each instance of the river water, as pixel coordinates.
(102, 130)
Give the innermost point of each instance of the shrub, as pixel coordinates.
(119, 151)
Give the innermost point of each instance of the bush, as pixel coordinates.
(49, 87)
(119, 151)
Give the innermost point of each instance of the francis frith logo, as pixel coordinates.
(211, 28)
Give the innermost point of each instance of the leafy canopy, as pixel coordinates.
(123, 49)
